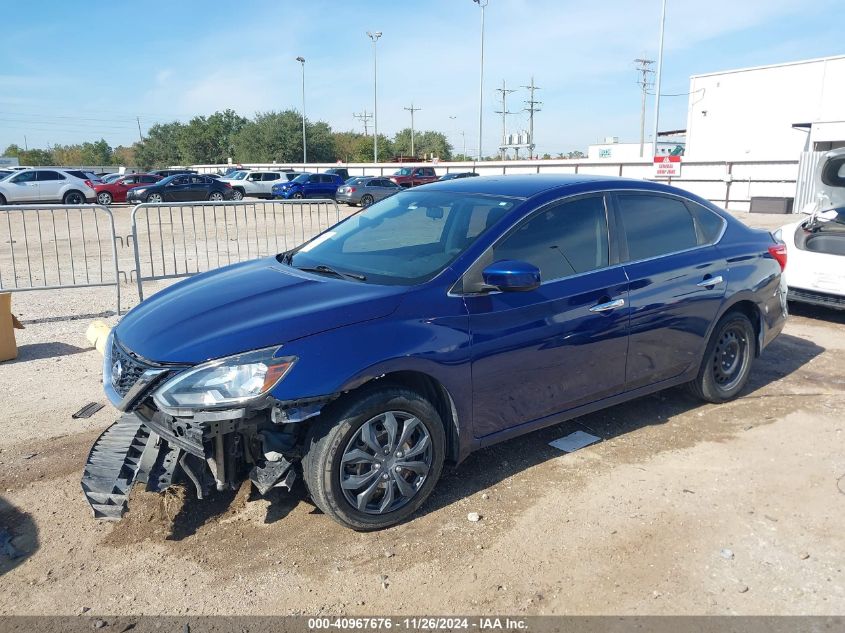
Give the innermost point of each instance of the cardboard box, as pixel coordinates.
(8, 325)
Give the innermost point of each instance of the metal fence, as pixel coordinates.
(44, 247)
(177, 240)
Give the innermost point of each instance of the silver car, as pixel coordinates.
(365, 190)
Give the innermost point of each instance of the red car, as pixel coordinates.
(413, 176)
(115, 191)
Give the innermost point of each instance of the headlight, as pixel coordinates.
(224, 382)
(139, 190)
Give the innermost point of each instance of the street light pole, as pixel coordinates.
(657, 78)
(482, 4)
(301, 60)
(374, 37)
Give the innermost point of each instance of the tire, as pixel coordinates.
(366, 200)
(104, 198)
(215, 196)
(237, 194)
(3, 199)
(73, 197)
(155, 198)
(298, 195)
(338, 436)
(727, 360)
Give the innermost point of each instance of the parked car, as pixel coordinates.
(453, 175)
(254, 183)
(816, 244)
(413, 176)
(366, 190)
(308, 186)
(431, 324)
(84, 175)
(181, 188)
(46, 185)
(343, 172)
(164, 173)
(111, 177)
(116, 191)
(5, 172)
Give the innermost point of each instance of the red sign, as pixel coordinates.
(667, 166)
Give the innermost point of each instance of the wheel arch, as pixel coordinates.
(747, 306)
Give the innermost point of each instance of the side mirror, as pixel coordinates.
(512, 276)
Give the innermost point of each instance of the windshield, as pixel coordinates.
(405, 239)
(405, 171)
(301, 178)
(237, 175)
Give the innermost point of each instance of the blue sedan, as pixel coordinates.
(443, 319)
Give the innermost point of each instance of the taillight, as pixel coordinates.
(778, 253)
(227, 185)
(351, 189)
(89, 184)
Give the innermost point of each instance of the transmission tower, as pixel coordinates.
(644, 68)
(504, 112)
(531, 109)
(365, 118)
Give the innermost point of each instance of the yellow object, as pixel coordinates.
(97, 333)
(8, 325)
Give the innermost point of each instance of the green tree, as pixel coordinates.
(33, 157)
(97, 153)
(209, 140)
(161, 147)
(425, 143)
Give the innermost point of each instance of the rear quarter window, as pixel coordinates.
(708, 223)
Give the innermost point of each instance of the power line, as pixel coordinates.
(531, 109)
(504, 112)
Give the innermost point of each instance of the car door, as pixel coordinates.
(677, 283)
(386, 188)
(122, 185)
(50, 185)
(22, 187)
(177, 190)
(268, 179)
(538, 353)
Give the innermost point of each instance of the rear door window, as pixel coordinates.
(45, 175)
(655, 225)
(268, 177)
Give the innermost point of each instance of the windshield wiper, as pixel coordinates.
(322, 268)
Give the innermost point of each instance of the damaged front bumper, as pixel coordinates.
(207, 449)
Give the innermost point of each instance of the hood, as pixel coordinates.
(247, 306)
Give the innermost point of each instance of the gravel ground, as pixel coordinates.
(683, 508)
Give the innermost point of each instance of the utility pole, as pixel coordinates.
(365, 118)
(412, 109)
(645, 83)
(659, 72)
(25, 146)
(301, 60)
(482, 4)
(374, 37)
(504, 112)
(531, 109)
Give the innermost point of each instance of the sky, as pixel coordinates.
(73, 71)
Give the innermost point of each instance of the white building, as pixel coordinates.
(614, 151)
(768, 112)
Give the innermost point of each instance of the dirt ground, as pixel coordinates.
(683, 508)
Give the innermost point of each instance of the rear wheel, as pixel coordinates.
(366, 200)
(727, 360)
(2, 199)
(372, 461)
(73, 197)
(104, 198)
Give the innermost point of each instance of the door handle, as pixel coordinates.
(712, 281)
(610, 305)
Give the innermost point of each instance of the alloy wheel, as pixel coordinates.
(104, 198)
(154, 197)
(216, 196)
(386, 462)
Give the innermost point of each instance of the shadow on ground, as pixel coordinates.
(18, 536)
(488, 467)
(37, 351)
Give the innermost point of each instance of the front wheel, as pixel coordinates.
(298, 195)
(104, 198)
(216, 196)
(371, 461)
(155, 198)
(237, 194)
(727, 360)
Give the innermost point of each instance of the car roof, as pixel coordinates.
(529, 185)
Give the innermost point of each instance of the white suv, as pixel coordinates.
(46, 185)
(254, 183)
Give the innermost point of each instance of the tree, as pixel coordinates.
(98, 153)
(34, 157)
(576, 154)
(425, 143)
(209, 140)
(161, 147)
(123, 156)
